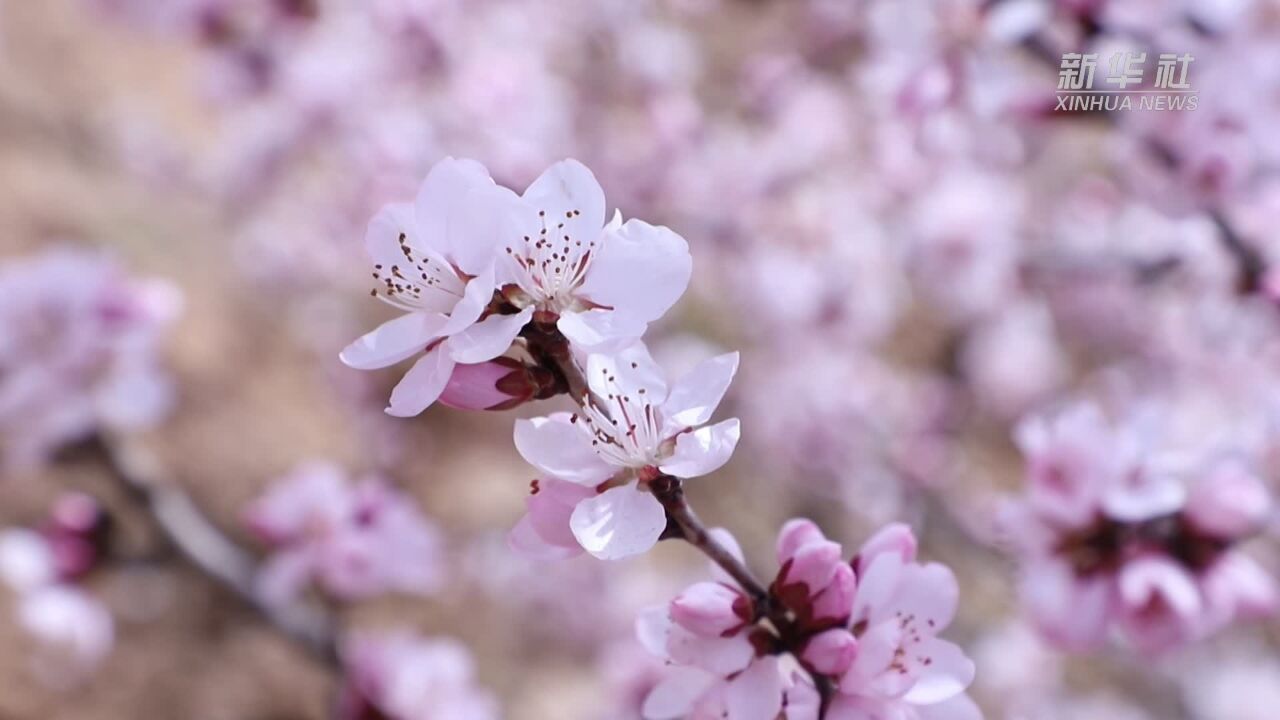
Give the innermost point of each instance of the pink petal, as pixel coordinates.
(488, 338)
(704, 450)
(561, 450)
(422, 384)
(458, 213)
(675, 695)
(639, 270)
(564, 188)
(960, 707)
(619, 522)
(756, 694)
(695, 396)
(393, 341)
(626, 372)
(945, 674)
(600, 330)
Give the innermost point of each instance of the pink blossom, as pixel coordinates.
(499, 384)
(433, 259)
(354, 541)
(401, 676)
(1117, 532)
(632, 428)
(79, 351)
(875, 645)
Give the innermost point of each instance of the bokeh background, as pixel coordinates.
(910, 248)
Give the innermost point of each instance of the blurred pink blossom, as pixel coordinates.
(352, 540)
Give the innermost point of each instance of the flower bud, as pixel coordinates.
(794, 534)
(498, 384)
(831, 652)
(1229, 503)
(892, 538)
(710, 609)
(814, 565)
(836, 601)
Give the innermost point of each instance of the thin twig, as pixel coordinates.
(210, 551)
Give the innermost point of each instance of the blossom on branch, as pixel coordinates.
(79, 352)
(353, 540)
(859, 638)
(631, 430)
(400, 676)
(1118, 534)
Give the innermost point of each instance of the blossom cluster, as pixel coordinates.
(542, 282)
(43, 566)
(834, 638)
(1120, 534)
(352, 540)
(79, 352)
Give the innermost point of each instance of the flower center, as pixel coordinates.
(552, 263)
(424, 282)
(627, 430)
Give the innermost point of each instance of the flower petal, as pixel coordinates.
(639, 270)
(960, 707)
(382, 242)
(488, 338)
(600, 330)
(568, 193)
(525, 539)
(458, 213)
(695, 396)
(557, 448)
(703, 450)
(674, 696)
(392, 341)
(422, 384)
(475, 298)
(631, 371)
(756, 693)
(946, 675)
(619, 522)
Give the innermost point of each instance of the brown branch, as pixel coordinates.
(682, 521)
(209, 550)
(670, 493)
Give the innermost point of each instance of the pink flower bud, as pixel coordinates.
(793, 535)
(892, 538)
(836, 601)
(710, 609)
(813, 565)
(1228, 503)
(831, 652)
(498, 384)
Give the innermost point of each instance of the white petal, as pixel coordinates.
(458, 213)
(703, 450)
(392, 341)
(422, 385)
(566, 187)
(382, 242)
(652, 625)
(695, 396)
(756, 694)
(628, 372)
(488, 338)
(639, 270)
(674, 696)
(960, 707)
(561, 450)
(600, 330)
(946, 676)
(475, 298)
(619, 522)
(524, 539)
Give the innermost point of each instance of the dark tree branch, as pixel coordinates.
(210, 551)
